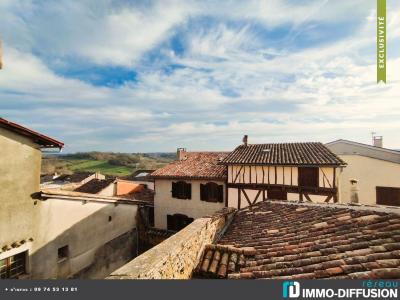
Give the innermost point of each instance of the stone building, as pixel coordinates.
(50, 234)
(189, 188)
(200, 183)
(371, 175)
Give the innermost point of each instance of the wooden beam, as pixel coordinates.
(263, 174)
(256, 198)
(328, 198)
(291, 175)
(323, 173)
(237, 174)
(226, 193)
(247, 197)
(307, 197)
(334, 177)
(239, 199)
(287, 188)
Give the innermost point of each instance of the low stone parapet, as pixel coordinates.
(177, 256)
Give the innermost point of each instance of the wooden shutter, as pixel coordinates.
(170, 222)
(203, 192)
(309, 176)
(188, 191)
(174, 190)
(220, 193)
(388, 196)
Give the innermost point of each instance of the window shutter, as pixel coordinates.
(188, 188)
(170, 222)
(174, 190)
(220, 193)
(203, 192)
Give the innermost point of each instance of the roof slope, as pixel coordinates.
(345, 147)
(40, 139)
(74, 178)
(283, 154)
(94, 186)
(196, 165)
(316, 241)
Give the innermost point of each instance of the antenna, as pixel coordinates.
(373, 135)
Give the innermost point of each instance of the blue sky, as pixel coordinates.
(148, 76)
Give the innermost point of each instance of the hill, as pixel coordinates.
(108, 163)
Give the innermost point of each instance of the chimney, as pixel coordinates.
(181, 153)
(377, 141)
(354, 191)
(245, 139)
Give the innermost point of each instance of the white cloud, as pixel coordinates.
(231, 83)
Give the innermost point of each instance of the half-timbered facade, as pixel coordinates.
(286, 171)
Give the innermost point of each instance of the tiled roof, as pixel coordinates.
(94, 186)
(195, 165)
(300, 241)
(38, 138)
(143, 194)
(139, 175)
(218, 261)
(74, 178)
(283, 154)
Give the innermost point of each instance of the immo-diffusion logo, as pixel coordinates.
(290, 289)
(371, 289)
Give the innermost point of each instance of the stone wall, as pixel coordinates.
(111, 256)
(177, 256)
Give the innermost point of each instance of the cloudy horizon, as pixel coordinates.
(151, 76)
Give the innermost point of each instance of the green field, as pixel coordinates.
(102, 166)
(107, 163)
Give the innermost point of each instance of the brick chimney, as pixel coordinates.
(181, 153)
(377, 141)
(245, 139)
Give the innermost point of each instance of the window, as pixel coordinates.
(211, 192)
(177, 221)
(309, 176)
(151, 216)
(276, 194)
(63, 253)
(388, 196)
(181, 190)
(14, 266)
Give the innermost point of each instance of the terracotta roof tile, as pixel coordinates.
(299, 241)
(94, 186)
(283, 154)
(73, 178)
(224, 261)
(143, 194)
(41, 139)
(197, 165)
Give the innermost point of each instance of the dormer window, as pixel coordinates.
(181, 190)
(211, 192)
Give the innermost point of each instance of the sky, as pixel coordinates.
(151, 76)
